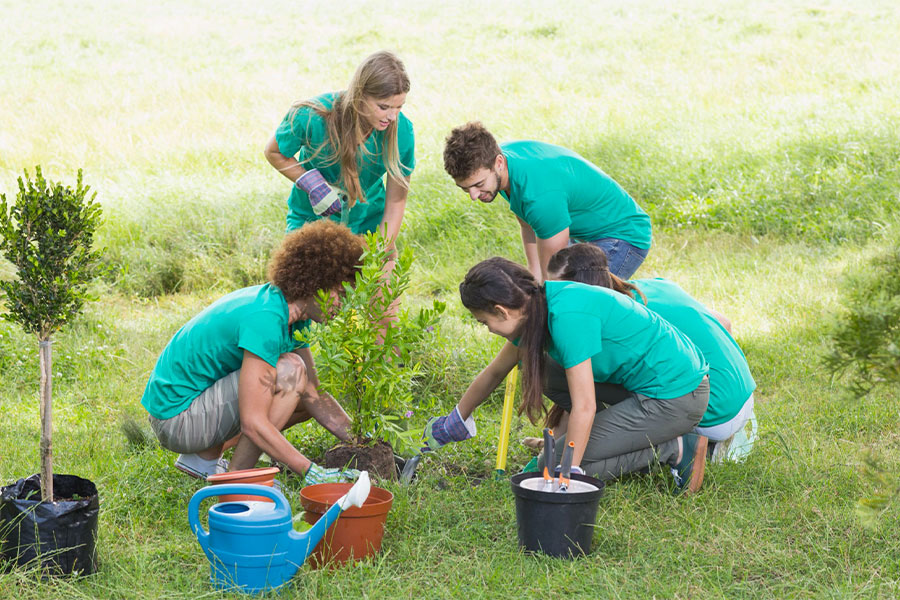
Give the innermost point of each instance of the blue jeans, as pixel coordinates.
(624, 259)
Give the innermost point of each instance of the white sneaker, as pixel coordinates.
(737, 447)
(743, 441)
(200, 468)
(720, 451)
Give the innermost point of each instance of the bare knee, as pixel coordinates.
(290, 373)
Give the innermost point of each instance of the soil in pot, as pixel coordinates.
(377, 458)
(62, 535)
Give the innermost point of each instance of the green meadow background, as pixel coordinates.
(763, 138)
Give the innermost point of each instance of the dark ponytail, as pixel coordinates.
(498, 281)
(586, 263)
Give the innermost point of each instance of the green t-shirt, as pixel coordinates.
(303, 134)
(627, 343)
(730, 382)
(212, 344)
(552, 188)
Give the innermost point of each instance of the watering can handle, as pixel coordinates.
(281, 503)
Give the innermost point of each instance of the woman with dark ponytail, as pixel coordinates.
(730, 383)
(596, 335)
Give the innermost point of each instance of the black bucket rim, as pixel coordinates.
(556, 497)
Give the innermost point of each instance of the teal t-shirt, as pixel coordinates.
(627, 343)
(303, 134)
(552, 188)
(730, 382)
(212, 344)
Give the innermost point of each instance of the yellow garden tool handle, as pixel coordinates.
(512, 380)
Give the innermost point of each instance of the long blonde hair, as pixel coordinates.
(380, 76)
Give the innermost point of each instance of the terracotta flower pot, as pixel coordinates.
(260, 476)
(357, 532)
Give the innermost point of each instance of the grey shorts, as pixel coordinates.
(210, 420)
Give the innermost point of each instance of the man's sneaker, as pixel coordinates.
(689, 472)
(200, 468)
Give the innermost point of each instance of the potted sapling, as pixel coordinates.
(364, 358)
(48, 519)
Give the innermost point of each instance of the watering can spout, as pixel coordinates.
(304, 543)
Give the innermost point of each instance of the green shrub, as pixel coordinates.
(364, 358)
(866, 338)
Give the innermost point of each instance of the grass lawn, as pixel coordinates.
(762, 138)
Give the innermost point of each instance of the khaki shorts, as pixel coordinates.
(210, 420)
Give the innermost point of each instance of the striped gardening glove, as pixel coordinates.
(452, 428)
(324, 199)
(316, 474)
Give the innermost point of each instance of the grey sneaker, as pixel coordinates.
(200, 468)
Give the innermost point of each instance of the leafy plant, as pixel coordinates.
(866, 338)
(364, 351)
(47, 235)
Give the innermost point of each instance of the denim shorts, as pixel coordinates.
(624, 258)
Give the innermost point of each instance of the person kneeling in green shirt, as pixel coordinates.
(234, 375)
(557, 195)
(731, 385)
(597, 335)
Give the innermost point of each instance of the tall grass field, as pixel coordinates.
(763, 138)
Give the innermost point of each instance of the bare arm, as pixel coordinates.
(321, 405)
(488, 380)
(547, 248)
(260, 415)
(394, 208)
(584, 406)
(311, 374)
(529, 242)
(286, 165)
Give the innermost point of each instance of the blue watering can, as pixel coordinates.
(251, 545)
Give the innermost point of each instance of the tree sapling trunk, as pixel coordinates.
(46, 362)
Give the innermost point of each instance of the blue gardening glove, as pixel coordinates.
(452, 428)
(316, 474)
(324, 199)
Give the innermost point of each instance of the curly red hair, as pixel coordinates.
(319, 256)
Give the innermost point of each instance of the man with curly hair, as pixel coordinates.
(234, 375)
(558, 196)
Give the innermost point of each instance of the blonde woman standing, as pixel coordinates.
(338, 147)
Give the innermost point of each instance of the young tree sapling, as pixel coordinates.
(47, 235)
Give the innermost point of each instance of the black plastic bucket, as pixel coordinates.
(58, 537)
(554, 523)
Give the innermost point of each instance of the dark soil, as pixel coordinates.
(66, 488)
(377, 458)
